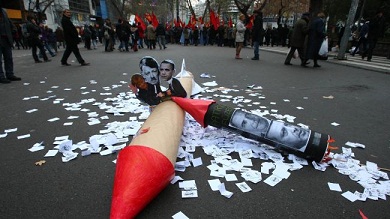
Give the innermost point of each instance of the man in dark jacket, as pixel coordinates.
(376, 31)
(34, 40)
(71, 37)
(298, 39)
(256, 33)
(6, 41)
(316, 37)
(160, 33)
(362, 39)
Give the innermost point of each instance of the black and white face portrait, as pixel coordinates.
(289, 135)
(149, 69)
(249, 122)
(167, 69)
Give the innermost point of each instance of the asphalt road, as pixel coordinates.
(82, 188)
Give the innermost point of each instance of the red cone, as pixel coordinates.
(141, 174)
(197, 108)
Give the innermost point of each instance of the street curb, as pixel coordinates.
(332, 58)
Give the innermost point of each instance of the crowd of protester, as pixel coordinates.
(124, 37)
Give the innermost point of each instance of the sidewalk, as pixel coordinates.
(378, 63)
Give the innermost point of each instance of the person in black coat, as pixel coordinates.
(71, 37)
(316, 37)
(256, 33)
(362, 39)
(376, 31)
(298, 37)
(6, 28)
(34, 41)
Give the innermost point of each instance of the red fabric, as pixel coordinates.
(250, 23)
(154, 20)
(148, 17)
(362, 215)
(196, 108)
(214, 20)
(230, 22)
(193, 22)
(200, 20)
(176, 23)
(138, 19)
(141, 174)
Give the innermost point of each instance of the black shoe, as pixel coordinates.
(255, 58)
(47, 60)
(65, 64)
(304, 64)
(14, 78)
(316, 65)
(287, 63)
(5, 81)
(38, 61)
(368, 60)
(85, 63)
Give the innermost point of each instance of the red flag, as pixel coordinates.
(175, 22)
(230, 22)
(148, 17)
(139, 20)
(214, 20)
(250, 23)
(200, 20)
(154, 20)
(193, 20)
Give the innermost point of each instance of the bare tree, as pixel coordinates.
(119, 6)
(191, 8)
(347, 31)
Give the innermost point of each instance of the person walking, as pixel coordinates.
(376, 31)
(108, 32)
(52, 40)
(6, 41)
(256, 33)
(160, 33)
(87, 37)
(93, 36)
(151, 36)
(60, 37)
(362, 39)
(240, 35)
(141, 34)
(135, 36)
(315, 39)
(45, 40)
(35, 42)
(72, 39)
(298, 37)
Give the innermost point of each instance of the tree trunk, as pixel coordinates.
(347, 31)
(205, 10)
